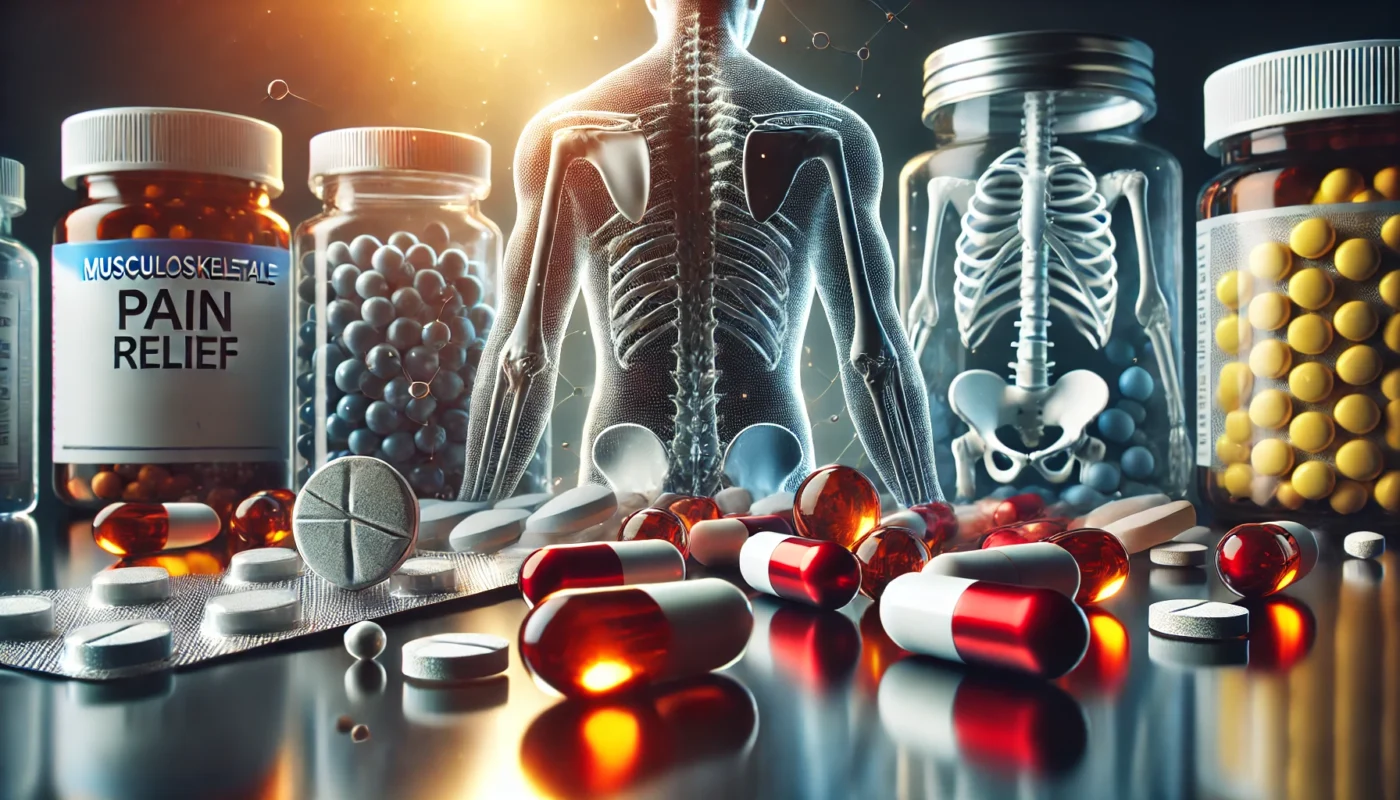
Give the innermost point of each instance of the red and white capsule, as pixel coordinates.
(1042, 564)
(595, 565)
(717, 542)
(813, 571)
(1029, 629)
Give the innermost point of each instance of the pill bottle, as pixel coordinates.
(1298, 285)
(171, 310)
(394, 302)
(1040, 275)
(19, 354)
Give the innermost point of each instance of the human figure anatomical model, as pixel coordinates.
(698, 237)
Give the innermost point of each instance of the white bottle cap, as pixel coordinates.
(171, 140)
(12, 186)
(348, 151)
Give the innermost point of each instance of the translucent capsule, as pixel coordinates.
(1102, 559)
(717, 542)
(836, 503)
(1259, 559)
(690, 510)
(1040, 564)
(1002, 537)
(1028, 629)
(1018, 508)
(818, 573)
(595, 565)
(264, 518)
(589, 642)
(133, 529)
(655, 524)
(941, 521)
(885, 554)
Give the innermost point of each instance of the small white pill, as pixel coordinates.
(528, 502)
(265, 565)
(365, 640)
(436, 522)
(250, 613)
(1196, 653)
(734, 500)
(1198, 619)
(1153, 526)
(572, 511)
(455, 657)
(118, 644)
(779, 503)
(424, 576)
(488, 531)
(1364, 544)
(1178, 554)
(131, 586)
(25, 616)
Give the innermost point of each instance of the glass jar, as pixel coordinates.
(19, 353)
(170, 310)
(394, 301)
(1042, 224)
(1298, 295)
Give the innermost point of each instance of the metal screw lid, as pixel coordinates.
(1101, 81)
(142, 139)
(12, 185)
(399, 150)
(1308, 83)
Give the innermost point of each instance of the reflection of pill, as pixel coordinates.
(1311, 431)
(1313, 479)
(1270, 358)
(1387, 183)
(254, 612)
(1390, 287)
(265, 565)
(1229, 451)
(423, 575)
(1364, 544)
(1348, 497)
(1232, 288)
(1310, 334)
(1309, 288)
(1355, 320)
(118, 644)
(1360, 460)
(1271, 457)
(130, 586)
(1359, 365)
(1270, 260)
(1231, 333)
(1288, 497)
(1311, 238)
(1233, 386)
(1269, 311)
(1271, 409)
(1387, 492)
(1194, 654)
(1238, 428)
(1357, 259)
(1391, 335)
(1238, 480)
(1340, 185)
(25, 616)
(1357, 413)
(1198, 619)
(1390, 385)
(1390, 233)
(455, 657)
(1310, 382)
(1178, 554)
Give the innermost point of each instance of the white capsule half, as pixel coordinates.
(717, 542)
(1036, 564)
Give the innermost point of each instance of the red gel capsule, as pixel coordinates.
(1038, 530)
(941, 523)
(885, 554)
(655, 524)
(836, 503)
(1259, 559)
(1103, 562)
(1003, 537)
(690, 510)
(818, 573)
(595, 565)
(1019, 508)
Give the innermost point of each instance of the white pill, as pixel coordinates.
(365, 640)
(906, 519)
(251, 613)
(488, 531)
(131, 586)
(355, 521)
(1179, 554)
(436, 522)
(780, 503)
(734, 500)
(265, 565)
(118, 644)
(1149, 528)
(1040, 564)
(1364, 544)
(718, 542)
(572, 511)
(25, 616)
(1196, 653)
(1198, 619)
(424, 576)
(1118, 509)
(455, 657)
(528, 502)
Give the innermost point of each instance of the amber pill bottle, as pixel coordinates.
(1298, 292)
(171, 310)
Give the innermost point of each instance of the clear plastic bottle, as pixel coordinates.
(397, 290)
(19, 353)
(1298, 285)
(1052, 369)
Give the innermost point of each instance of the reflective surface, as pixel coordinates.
(822, 705)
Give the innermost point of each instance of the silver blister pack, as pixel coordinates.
(324, 606)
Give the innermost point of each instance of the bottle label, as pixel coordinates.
(170, 351)
(16, 380)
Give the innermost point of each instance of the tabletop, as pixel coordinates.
(821, 705)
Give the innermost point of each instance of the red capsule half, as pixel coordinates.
(594, 565)
(813, 571)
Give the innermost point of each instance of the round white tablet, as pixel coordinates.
(529, 502)
(251, 613)
(424, 576)
(572, 511)
(1364, 544)
(489, 531)
(355, 521)
(131, 586)
(1194, 653)
(25, 616)
(1179, 554)
(265, 565)
(455, 657)
(1198, 619)
(118, 644)
(436, 522)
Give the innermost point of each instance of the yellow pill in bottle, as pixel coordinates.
(1310, 334)
(1368, 196)
(1228, 451)
(1313, 479)
(1310, 382)
(1271, 457)
(1269, 311)
(1359, 365)
(1310, 288)
(1311, 431)
(1387, 183)
(1390, 288)
(1270, 261)
(1390, 233)
(1359, 459)
(1238, 480)
(1232, 288)
(1391, 334)
(1356, 413)
(1392, 424)
(1270, 409)
(1270, 358)
(1349, 497)
(1340, 185)
(1355, 320)
(1312, 238)
(1390, 384)
(1357, 259)
(1233, 386)
(1231, 333)
(1238, 427)
(1387, 492)
(1288, 497)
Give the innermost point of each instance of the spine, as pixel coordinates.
(1032, 344)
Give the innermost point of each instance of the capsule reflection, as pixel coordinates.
(1104, 668)
(817, 649)
(1282, 632)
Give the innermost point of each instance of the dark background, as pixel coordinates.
(485, 66)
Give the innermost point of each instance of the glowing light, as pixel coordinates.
(782, 39)
(1110, 637)
(602, 676)
(1109, 590)
(1290, 631)
(1286, 579)
(614, 739)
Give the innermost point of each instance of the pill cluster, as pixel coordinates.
(219, 486)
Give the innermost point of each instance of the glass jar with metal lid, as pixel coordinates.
(1298, 285)
(1039, 270)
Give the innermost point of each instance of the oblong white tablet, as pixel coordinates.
(25, 616)
(572, 511)
(118, 644)
(1364, 544)
(1153, 526)
(131, 586)
(455, 657)
(529, 502)
(1198, 619)
(1179, 554)
(424, 576)
(435, 523)
(488, 531)
(265, 565)
(1118, 509)
(251, 613)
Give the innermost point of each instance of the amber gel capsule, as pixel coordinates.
(134, 529)
(589, 642)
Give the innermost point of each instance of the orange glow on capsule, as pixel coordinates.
(605, 676)
(836, 503)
